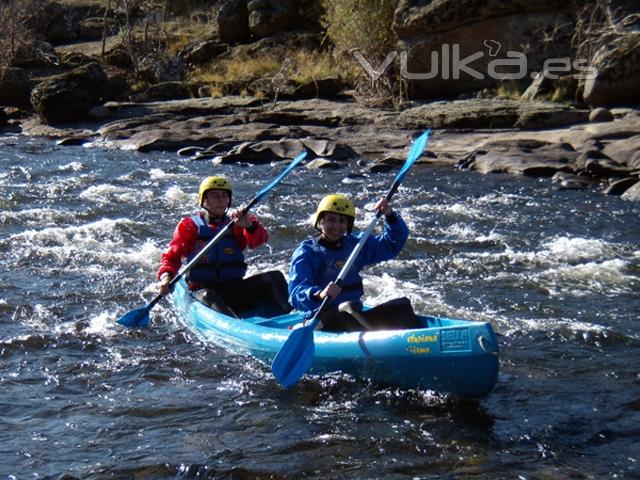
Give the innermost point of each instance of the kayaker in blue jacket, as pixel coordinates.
(316, 263)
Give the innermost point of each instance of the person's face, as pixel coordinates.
(333, 226)
(216, 201)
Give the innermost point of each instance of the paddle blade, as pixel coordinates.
(294, 358)
(279, 178)
(414, 153)
(138, 318)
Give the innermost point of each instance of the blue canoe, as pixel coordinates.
(451, 356)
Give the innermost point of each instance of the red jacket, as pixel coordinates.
(184, 241)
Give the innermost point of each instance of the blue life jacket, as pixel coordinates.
(328, 266)
(222, 262)
(313, 265)
(331, 262)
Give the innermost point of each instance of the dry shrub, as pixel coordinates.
(366, 27)
(598, 24)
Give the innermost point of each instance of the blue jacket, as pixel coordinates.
(313, 265)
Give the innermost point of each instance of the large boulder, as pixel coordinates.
(617, 81)
(491, 113)
(233, 21)
(14, 87)
(271, 16)
(70, 96)
(202, 52)
(459, 46)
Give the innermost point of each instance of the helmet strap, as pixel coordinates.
(212, 217)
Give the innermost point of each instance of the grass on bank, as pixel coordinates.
(263, 72)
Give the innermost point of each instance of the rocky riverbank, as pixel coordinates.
(488, 136)
(80, 92)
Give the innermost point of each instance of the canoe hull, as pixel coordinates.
(450, 356)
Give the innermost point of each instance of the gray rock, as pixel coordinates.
(322, 163)
(233, 21)
(632, 193)
(545, 161)
(267, 17)
(620, 186)
(202, 52)
(624, 148)
(569, 181)
(167, 91)
(606, 168)
(589, 155)
(491, 113)
(92, 28)
(14, 87)
(70, 97)
(618, 79)
(600, 115)
(479, 34)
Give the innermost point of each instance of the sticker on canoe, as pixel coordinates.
(415, 342)
(419, 350)
(455, 340)
(422, 338)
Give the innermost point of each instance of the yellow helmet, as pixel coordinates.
(214, 183)
(335, 203)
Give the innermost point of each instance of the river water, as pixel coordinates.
(557, 273)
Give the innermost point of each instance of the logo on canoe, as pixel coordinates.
(419, 350)
(422, 338)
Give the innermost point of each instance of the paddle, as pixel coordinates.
(295, 356)
(140, 316)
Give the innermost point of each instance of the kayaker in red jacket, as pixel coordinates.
(218, 278)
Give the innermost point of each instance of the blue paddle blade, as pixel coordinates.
(294, 358)
(283, 174)
(136, 318)
(414, 154)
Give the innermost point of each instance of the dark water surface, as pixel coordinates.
(81, 230)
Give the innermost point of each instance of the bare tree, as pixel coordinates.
(15, 30)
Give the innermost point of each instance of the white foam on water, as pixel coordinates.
(559, 251)
(583, 280)
(492, 237)
(460, 231)
(98, 242)
(89, 232)
(455, 209)
(263, 212)
(517, 326)
(381, 288)
(103, 324)
(174, 195)
(39, 319)
(38, 216)
(564, 249)
(106, 193)
(71, 167)
(498, 199)
(159, 174)
(147, 255)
